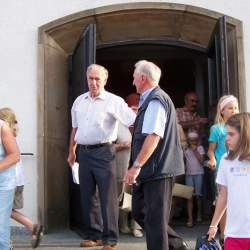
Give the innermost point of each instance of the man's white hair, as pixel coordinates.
(149, 69)
(100, 67)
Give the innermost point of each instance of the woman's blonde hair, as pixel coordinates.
(219, 118)
(241, 122)
(8, 115)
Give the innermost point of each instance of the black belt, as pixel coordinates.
(85, 147)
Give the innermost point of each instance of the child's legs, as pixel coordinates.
(190, 209)
(18, 204)
(22, 219)
(198, 182)
(6, 201)
(189, 182)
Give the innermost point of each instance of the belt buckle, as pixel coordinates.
(84, 147)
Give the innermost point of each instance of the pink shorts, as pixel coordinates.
(237, 243)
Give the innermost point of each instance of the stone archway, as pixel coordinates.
(187, 25)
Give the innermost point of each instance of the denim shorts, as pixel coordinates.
(195, 181)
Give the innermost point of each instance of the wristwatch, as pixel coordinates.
(137, 164)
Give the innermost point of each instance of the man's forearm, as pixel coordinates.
(148, 148)
(72, 142)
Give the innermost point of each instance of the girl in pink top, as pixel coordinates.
(194, 156)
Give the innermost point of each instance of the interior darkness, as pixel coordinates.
(178, 65)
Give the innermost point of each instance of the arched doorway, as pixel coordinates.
(173, 25)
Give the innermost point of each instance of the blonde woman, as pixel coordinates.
(9, 117)
(9, 155)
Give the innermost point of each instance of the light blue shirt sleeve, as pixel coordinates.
(154, 119)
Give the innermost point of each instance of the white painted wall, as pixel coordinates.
(19, 22)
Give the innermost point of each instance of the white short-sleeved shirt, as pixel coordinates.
(96, 119)
(235, 175)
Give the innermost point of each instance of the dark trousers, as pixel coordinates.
(98, 170)
(151, 204)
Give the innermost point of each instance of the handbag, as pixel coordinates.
(202, 243)
(183, 191)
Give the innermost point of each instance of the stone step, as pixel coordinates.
(69, 240)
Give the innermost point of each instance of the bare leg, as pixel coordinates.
(22, 219)
(190, 212)
(199, 206)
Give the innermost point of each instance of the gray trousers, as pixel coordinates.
(96, 169)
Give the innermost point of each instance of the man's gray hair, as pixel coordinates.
(149, 69)
(100, 67)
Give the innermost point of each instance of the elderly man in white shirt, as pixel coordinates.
(95, 117)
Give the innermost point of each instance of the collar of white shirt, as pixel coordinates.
(102, 95)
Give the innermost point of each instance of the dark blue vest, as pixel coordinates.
(167, 159)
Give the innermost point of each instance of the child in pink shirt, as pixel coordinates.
(194, 156)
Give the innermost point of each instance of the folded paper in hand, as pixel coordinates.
(75, 173)
(183, 191)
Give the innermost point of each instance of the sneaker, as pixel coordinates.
(138, 233)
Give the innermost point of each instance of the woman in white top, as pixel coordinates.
(9, 117)
(9, 155)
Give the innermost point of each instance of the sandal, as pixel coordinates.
(37, 235)
(189, 224)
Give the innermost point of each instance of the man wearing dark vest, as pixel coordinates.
(156, 156)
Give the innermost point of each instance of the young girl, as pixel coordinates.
(234, 180)
(9, 117)
(194, 155)
(227, 106)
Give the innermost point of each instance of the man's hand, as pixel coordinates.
(71, 159)
(131, 175)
